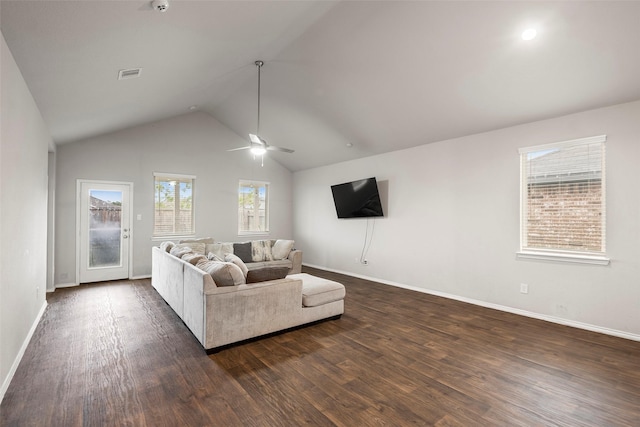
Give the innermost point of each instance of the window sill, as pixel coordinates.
(564, 257)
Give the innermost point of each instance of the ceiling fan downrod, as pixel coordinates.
(259, 64)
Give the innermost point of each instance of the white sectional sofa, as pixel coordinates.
(222, 315)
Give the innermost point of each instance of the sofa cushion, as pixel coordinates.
(223, 273)
(193, 258)
(261, 250)
(318, 291)
(279, 263)
(243, 250)
(237, 261)
(219, 249)
(167, 246)
(281, 248)
(267, 273)
(205, 240)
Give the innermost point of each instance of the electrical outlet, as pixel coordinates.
(524, 288)
(365, 262)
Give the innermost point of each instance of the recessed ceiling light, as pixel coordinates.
(193, 108)
(529, 34)
(349, 144)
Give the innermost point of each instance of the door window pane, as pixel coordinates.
(105, 228)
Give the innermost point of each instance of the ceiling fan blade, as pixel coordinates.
(240, 148)
(256, 139)
(284, 150)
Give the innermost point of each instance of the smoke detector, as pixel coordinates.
(160, 5)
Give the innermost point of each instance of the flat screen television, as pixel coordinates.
(357, 199)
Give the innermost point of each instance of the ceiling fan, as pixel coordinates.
(259, 146)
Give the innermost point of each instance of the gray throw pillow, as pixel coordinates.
(243, 250)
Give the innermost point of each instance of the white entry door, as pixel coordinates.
(104, 230)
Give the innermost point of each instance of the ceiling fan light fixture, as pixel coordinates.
(255, 138)
(258, 150)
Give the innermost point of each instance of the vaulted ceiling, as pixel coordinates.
(380, 76)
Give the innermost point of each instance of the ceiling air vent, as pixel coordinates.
(131, 73)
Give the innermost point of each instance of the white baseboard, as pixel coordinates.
(16, 362)
(547, 318)
(66, 285)
(71, 285)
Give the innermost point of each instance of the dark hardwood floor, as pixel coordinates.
(115, 354)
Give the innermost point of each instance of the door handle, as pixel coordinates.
(125, 237)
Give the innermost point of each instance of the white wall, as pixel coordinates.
(193, 144)
(24, 142)
(452, 223)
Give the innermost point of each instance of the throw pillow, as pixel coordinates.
(223, 273)
(213, 257)
(180, 251)
(196, 247)
(261, 251)
(205, 240)
(267, 273)
(193, 258)
(220, 249)
(237, 261)
(167, 246)
(243, 250)
(281, 249)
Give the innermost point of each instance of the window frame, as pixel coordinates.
(559, 254)
(243, 183)
(180, 178)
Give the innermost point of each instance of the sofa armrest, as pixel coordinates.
(295, 256)
(236, 313)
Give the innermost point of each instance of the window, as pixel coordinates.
(563, 200)
(173, 205)
(253, 207)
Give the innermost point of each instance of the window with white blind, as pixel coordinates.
(563, 201)
(173, 206)
(253, 207)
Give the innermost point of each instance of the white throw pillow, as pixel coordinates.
(205, 240)
(281, 249)
(167, 246)
(193, 258)
(196, 247)
(261, 250)
(179, 251)
(220, 249)
(237, 261)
